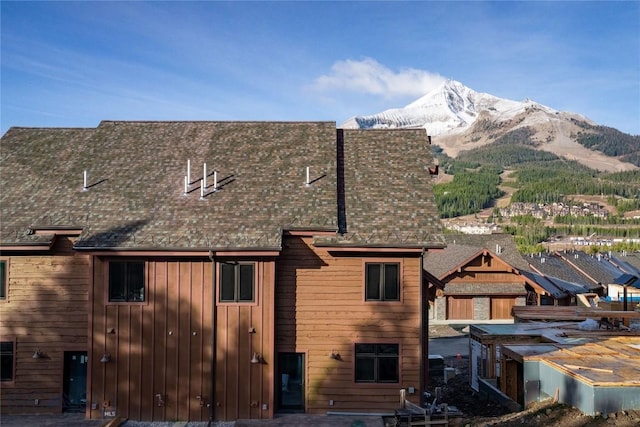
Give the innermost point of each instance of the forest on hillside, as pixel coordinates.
(609, 141)
(537, 177)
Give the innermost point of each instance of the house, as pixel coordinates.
(484, 276)
(482, 279)
(213, 270)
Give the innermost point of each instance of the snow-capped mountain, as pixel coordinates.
(459, 118)
(450, 108)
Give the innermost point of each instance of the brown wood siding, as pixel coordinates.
(501, 307)
(46, 310)
(244, 389)
(459, 308)
(160, 350)
(320, 308)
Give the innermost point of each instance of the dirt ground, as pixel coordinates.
(478, 411)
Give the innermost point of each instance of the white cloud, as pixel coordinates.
(368, 76)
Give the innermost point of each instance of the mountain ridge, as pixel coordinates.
(460, 119)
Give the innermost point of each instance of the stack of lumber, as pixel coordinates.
(567, 313)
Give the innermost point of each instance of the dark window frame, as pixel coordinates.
(128, 289)
(378, 358)
(3, 354)
(4, 280)
(235, 294)
(382, 281)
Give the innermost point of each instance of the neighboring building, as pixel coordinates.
(484, 276)
(481, 277)
(285, 275)
(593, 369)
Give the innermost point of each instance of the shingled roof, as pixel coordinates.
(598, 267)
(461, 247)
(135, 197)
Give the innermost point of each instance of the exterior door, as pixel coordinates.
(74, 386)
(459, 308)
(501, 307)
(291, 382)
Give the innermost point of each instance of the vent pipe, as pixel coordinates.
(84, 183)
(188, 172)
(204, 176)
(215, 180)
(202, 189)
(186, 185)
(307, 182)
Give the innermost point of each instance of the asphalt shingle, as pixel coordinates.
(136, 172)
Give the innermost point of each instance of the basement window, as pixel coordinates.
(237, 282)
(377, 363)
(126, 281)
(382, 281)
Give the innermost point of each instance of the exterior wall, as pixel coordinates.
(482, 280)
(161, 350)
(45, 309)
(243, 389)
(588, 398)
(441, 308)
(321, 308)
(481, 308)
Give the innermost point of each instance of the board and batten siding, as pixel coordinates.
(321, 309)
(166, 364)
(45, 310)
(245, 390)
(160, 349)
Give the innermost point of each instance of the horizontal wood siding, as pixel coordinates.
(320, 309)
(46, 309)
(243, 389)
(161, 350)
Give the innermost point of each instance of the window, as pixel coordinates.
(377, 363)
(382, 282)
(236, 282)
(6, 361)
(126, 281)
(3, 280)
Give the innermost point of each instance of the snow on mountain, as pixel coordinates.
(460, 118)
(450, 108)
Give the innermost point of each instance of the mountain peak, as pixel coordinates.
(463, 119)
(450, 107)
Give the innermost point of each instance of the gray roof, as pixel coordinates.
(559, 271)
(461, 247)
(596, 266)
(135, 197)
(627, 261)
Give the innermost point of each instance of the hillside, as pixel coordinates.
(460, 120)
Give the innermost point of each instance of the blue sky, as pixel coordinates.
(76, 63)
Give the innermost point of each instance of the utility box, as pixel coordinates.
(436, 366)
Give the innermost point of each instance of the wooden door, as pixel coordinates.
(459, 308)
(501, 307)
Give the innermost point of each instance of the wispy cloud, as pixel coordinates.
(368, 76)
